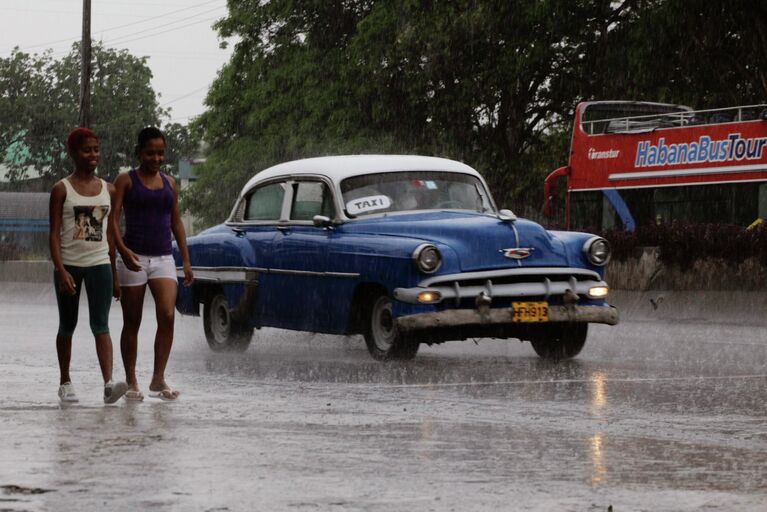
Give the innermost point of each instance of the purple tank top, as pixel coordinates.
(147, 217)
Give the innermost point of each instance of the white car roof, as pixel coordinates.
(339, 167)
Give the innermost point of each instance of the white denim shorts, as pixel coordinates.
(152, 267)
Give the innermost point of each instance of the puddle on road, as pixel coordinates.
(17, 489)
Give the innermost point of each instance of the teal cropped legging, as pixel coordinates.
(98, 287)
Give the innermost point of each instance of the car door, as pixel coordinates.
(299, 258)
(262, 211)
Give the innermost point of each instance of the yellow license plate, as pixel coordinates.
(530, 311)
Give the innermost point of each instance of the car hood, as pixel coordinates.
(480, 241)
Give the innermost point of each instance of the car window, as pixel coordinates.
(414, 190)
(311, 198)
(265, 203)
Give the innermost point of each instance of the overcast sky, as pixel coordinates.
(176, 35)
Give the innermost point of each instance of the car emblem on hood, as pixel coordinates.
(517, 253)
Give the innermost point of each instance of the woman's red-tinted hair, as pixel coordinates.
(77, 136)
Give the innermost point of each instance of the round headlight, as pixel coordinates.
(597, 251)
(427, 258)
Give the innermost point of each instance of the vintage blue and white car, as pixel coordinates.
(401, 249)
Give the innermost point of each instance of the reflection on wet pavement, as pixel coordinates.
(651, 416)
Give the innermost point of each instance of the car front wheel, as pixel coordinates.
(383, 339)
(221, 330)
(563, 341)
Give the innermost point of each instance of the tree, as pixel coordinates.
(480, 81)
(182, 143)
(25, 108)
(39, 107)
(469, 80)
(702, 53)
(283, 95)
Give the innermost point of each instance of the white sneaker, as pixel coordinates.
(67, 393)
(113, 391)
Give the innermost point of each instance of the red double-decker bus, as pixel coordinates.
(636, 163)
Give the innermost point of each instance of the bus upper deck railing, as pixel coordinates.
(650, 122)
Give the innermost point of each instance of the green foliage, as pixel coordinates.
(704, 53)
(39, 102)
(455, 79)
(29, 100)
(182, 143)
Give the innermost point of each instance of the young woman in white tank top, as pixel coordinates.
(82, 253)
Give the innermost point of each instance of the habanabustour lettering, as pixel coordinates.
(705, 149)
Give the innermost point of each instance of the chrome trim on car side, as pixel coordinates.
(224, 274)
(342, 274)
(461, 317)
(250, 274)
(309, 273)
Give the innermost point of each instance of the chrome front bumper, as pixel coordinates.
(456, 291)
(487, 316)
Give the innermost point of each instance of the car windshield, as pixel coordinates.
(414, 190)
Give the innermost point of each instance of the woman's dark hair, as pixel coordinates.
(147, 134)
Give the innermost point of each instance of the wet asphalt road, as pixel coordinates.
(664, 412)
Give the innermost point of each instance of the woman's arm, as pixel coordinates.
(121, 187)
(116, 290)
(177, 226)
(65, 282)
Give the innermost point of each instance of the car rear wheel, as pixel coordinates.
(221, 330)
(383, 339)
(563, 341)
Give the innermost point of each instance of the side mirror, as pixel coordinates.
(506, 215)
(321, 221)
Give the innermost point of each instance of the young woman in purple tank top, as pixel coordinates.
(150, 200)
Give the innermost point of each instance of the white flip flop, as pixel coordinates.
(166, 395)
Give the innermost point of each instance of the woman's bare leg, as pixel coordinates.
(164, 293)
(104, 353)
(132, 301)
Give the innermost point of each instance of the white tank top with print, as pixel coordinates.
(84, 227)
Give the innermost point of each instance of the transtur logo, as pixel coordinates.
(601, 155)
